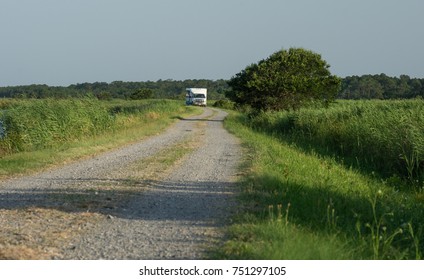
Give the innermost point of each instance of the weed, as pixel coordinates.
(381, 238)
(416, 240)
(279, 217)
(331, 218)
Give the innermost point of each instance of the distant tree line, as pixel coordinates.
(168, 89)
(352, 87)
(381, 87)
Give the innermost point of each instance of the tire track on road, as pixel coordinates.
(179, 216)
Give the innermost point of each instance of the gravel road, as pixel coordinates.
(175, 214)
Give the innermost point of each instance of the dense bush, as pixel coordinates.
(224, 104)
(288, 79)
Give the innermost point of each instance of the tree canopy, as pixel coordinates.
(285, 80)
(381, 87)
(172, 89)
(352, 87)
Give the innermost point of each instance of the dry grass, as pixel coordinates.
(38, 233)
(152, 115)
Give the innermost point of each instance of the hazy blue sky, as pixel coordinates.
(60, 42)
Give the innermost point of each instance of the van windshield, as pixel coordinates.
(199, 95)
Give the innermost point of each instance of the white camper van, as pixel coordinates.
(196, 96)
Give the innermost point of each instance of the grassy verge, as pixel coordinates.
(382, 136)
(299, 204)
(41, 231)
(47, 143)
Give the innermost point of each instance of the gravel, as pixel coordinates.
(179, 215)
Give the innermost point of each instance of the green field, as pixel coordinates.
(339, 183)
(40, 133)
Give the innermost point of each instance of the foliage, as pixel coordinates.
(224, 104)
(285, 80)
(352, 87)
(381, 87)
(301, 204)
(161, 89)
(143, 93)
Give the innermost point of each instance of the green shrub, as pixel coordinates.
(224, 104)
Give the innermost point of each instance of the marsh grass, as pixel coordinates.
(386, 137)
(334, 212)
(37, 124)
(42, 133)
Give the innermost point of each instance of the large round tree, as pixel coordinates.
(285, 80)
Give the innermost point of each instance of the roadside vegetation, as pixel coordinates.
(339, 183)
(384, 137)
(41, 133)
(325, 178)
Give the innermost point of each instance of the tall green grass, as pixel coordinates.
(40, 133)
(383, 136)
(302, 204)
(38, 124)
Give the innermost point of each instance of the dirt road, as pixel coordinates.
(167, 197)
